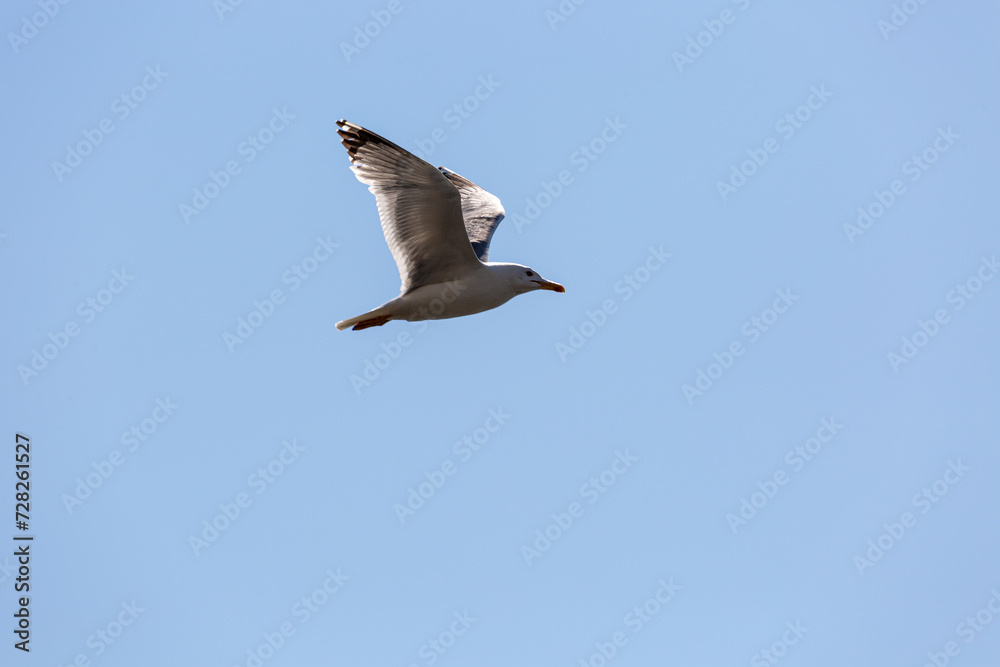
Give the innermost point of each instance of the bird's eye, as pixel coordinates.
(529, 274)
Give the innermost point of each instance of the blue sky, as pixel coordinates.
(759, 427)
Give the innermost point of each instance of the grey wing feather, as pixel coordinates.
(420, 209)
(481, 210)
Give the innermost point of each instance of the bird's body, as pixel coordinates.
(438, 226)
(479, 290)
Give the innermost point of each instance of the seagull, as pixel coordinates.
(438, 226)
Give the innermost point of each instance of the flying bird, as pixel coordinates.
(438, 226)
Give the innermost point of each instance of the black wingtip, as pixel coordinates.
(354, 137)
(351, 136)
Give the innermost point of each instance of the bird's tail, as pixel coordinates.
(373, 318)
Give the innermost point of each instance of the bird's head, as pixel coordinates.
(525, 279)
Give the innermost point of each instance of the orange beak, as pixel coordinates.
(544, 284)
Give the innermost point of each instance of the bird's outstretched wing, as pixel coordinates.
(481, 210)
(420, 209)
